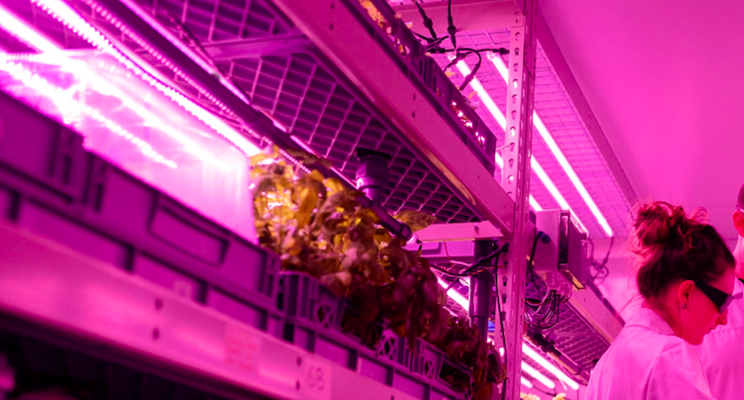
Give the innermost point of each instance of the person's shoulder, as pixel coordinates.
(676, 350)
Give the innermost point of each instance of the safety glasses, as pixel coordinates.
(720, 298)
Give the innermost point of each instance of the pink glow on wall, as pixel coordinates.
(558, 154)
(526, 383)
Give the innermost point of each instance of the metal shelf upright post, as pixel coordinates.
(515, 179)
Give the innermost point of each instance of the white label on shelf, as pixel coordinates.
(315, 382)
(242, 349)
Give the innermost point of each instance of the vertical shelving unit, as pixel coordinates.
(333, 79)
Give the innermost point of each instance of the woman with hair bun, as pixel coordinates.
(685, 274)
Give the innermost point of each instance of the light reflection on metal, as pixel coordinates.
(559, 156)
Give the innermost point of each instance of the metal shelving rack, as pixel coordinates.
(81, 304)
(58, 291)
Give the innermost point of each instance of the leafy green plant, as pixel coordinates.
(319, 227)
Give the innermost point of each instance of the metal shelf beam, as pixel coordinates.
(63, 293)
(469, 15)
(337, 32)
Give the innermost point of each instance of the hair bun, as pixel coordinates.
(660, 223)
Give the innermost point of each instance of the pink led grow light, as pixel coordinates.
(526, 383)
(70, 18)
(95, 93)
(454, 295)
(558, 154)
(537, 375)
(501, 119)
(526, 349)
(70, 106)
(16, 27)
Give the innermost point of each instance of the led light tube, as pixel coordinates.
(18, 28)
(526, 349)
(501, 119)
(54, 53)
(454, 295)
(526, 383)
(558, 154)
(66, 103)
(537, 375)
(73, 20)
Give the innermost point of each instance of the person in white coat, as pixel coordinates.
(685, 274)
(722, 351)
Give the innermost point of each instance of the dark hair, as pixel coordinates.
(740, 199)
(673, 246)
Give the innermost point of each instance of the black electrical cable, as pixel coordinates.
(501, 322)
(541, 236)
(602, 272)
(451, 30)
(428, 23)
(457, 274)
(472, 73)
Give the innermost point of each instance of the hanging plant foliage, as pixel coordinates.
(318, 226)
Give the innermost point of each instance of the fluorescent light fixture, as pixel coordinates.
(61, 11)
(526, 383)
(558, 154)
(454, 295)
(526, 349)
(537, 375)
(18, 28)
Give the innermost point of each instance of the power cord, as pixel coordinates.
(451, 30)
(602, 272)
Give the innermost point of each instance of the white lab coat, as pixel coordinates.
(647, 362)
(722, 352)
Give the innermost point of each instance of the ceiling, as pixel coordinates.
(663, 79)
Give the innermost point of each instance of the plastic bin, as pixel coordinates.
(50, 185)
(313, 322)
